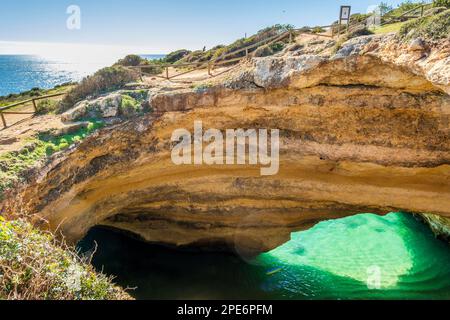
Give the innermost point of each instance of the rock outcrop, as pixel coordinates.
(363, 130)
(122, 103)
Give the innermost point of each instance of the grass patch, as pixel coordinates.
(14, 164)
(35, 266)
(130, 106)
(393, 27)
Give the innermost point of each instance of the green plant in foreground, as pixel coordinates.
(34, 265)
(14, 164)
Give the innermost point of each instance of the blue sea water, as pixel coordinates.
(20, 73)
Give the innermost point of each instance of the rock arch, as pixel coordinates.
(357, 135)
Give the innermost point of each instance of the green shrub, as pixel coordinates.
(14, 164)
(358, 32)
(404, 7)
(441, 3)
(277, 46)
(36, 266)
(317, 30)
(263, 51)
(148, 66)
(430, 27)
(130, 60)
(176, 55)
(434, 11)
(130, 106)
(104, 80)
(384, 8)
(152, 68)
(47, 106)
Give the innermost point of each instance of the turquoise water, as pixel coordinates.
(20, 73)
(395, 255)
(360, 257)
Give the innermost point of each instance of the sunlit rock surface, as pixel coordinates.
(362, 130)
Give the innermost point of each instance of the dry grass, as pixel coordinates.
(36, 266)
(104, 80)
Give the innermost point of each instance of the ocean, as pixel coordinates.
(20, 73)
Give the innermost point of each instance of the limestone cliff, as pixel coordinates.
(365, 129)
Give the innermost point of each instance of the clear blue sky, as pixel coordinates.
(165, 25)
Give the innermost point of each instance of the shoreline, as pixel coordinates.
(70, 74)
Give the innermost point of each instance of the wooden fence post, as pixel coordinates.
(3, 119)
(34, 106)
(167, 73)
(421, 13)
(209, 69)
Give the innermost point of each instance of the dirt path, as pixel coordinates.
(12, 119)
(15, 137)
(189, 78)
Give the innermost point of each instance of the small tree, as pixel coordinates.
(130, 60)
(384, 8)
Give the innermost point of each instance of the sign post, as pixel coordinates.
(344, 17)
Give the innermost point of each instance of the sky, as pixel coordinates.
(150, 26)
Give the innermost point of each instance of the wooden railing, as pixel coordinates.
(221, 60)
(3, 110)
(389, 18)
(406, 15)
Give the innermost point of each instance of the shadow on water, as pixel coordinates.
(329, 261)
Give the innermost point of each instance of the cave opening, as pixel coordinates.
(365, 256)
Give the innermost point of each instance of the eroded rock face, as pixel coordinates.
(108, 106)
(357, 134)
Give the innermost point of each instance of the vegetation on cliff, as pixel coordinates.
(432, 27)
(34, 93)
(104, 80)
(176, 55)
(36, 266)
(13, 165)
(218, 51)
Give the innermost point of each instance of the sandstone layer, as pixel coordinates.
(361, 130)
